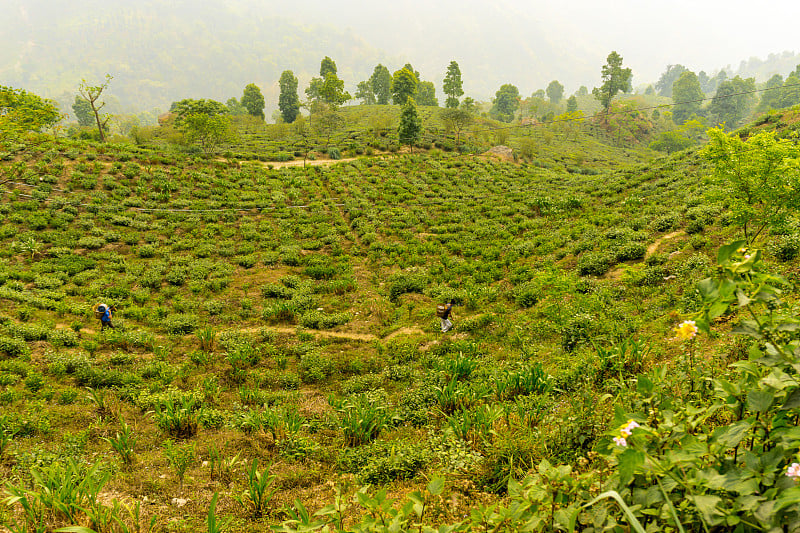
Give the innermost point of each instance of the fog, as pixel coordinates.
(160, 51)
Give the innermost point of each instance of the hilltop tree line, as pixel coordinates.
(699, 101)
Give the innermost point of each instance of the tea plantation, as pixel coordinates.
(276, 362)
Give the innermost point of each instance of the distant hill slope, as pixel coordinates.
(158, 53)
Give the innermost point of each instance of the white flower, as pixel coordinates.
(794, 471)
(620, 441)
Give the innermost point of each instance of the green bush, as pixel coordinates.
(405, 282)
(315, 367)
(526, 294)
(383, 462)
(13, 347)
(593, 263)
(630, 251)
(180, 324)
(785, 247)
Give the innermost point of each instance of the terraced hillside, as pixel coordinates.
(276, 330)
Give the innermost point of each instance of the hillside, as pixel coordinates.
(158, 54)
(284, 319)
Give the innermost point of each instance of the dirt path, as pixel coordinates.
(296, 162)
(339, 334)
(308, 162)
(654, 247)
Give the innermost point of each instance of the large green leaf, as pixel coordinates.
(726, 251)
(629, 461)
(760, 401)
(707, 506)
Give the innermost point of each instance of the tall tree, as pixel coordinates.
(253, 101)
(506, 103)
(365, 93)
(687, 95)
(404, 86)
(615, 79)
(411, 69)
(381, 82)
(790, 94)
(771, 97)
(668, 78)
(410, 128)
(332, 91)
(288, 101)
(92, 93)
(328, 88)
(703, 78)
(572, 104)
(555, 91)
(83, 111)
(452, 85)
(733, 101)
(426, 93)
(327, 65)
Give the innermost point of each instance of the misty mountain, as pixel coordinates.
(159, 52)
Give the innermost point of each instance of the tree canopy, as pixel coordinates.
(410, 127)
(288, 100)
(506, 103)
(555, 91)
(404, 86)
(426, 93)
(452, 85)
(668, 79)
(23, 111)
(83, 112)
(253, 101)
(328, 88)
(733, 101)
(762, 178)
(204, 122)
(688, 96)
(365, 93)
(381, 83)
(615, 79)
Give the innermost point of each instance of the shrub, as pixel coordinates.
(63, 337)
(320, 320)
(576, 331)
(631, 251)
(315, 367)
(180, 324)
(785, 247)
(593, 263)
(405, 282)
(13, 347)
(383, 462)
(178, 416)
(526, 295)
(665, 223)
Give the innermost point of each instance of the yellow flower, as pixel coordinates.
(686, 330)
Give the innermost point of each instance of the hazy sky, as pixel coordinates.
(700, 34)
(49, 45)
